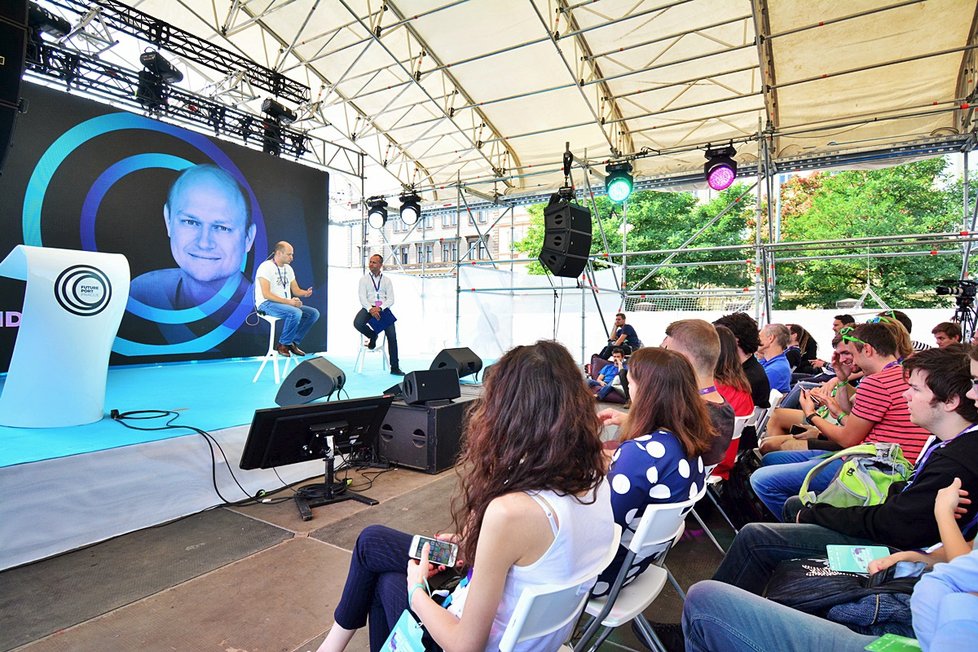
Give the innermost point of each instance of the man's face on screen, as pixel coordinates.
(208, 228)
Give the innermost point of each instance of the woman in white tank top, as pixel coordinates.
(533, 508)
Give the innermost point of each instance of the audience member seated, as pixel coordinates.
(624, 336)
(787, 430)
(534, 510)
(732, 385)
(602, 386)
(745, 330)
(908, 324)
(878, 414)
(719, 616)
(946, 333)
(698, 342)
(659, 457)
(773, 341)
(801, 352)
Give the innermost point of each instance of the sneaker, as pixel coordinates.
(395, 371)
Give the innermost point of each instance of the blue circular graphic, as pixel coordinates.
(56, 155)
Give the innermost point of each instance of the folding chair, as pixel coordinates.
(712, 480)
(541, 610)
(775, 399)
(657, 532)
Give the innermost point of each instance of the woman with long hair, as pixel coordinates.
(533, 509)
(659, 457)
(733, 386)
(802, 350)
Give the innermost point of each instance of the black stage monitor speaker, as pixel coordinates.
(423, 437)
(463, 360)
(567, 240)
(431, 385)
(310, 380)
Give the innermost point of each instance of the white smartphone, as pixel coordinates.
(440, 553)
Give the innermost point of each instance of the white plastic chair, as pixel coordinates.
(272, 355)
(775, 400)
(712, 480)
(657, 532)
(364, 352)
(541, 610)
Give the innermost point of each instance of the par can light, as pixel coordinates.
(618, 183)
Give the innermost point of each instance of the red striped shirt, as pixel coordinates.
(880, 399)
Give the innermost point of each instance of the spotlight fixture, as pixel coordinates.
(154, 62)
(279, 112)
(618, 183)
(377, 212)
(155, 80)
(410, 208)
(720, 169)
(42, 20)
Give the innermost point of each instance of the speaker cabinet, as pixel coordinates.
(463, 360)
(423, 437)
(432, 385)
(567, 239)
(310, 380)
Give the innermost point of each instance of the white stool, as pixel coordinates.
(272, 354)
(364, 352)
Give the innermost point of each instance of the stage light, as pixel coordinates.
(279, 112)
(720, 169)
(410, 208)
(377, 212)
(154, 80)
(618, 184)
(154, 62)
(42, 20)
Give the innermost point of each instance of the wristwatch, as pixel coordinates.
(809, 417)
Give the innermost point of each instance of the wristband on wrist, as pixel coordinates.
(809, 417)
(842, 415)
(843, 382)
(414, 588)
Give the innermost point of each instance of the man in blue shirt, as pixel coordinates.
(774, 340)
(624, 337)
(608, 374)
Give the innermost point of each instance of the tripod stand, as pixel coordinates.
(966, 315)
(328, 492)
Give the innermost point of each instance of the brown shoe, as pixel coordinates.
(283, 350)
(299, 352)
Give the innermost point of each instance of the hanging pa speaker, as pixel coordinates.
(13, 45)
(310, 380)
(567, 238)
(462, 360)
(431, 385)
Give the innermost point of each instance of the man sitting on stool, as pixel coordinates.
(376, 296)
(276, 295)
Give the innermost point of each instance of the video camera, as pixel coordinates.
(962, 288)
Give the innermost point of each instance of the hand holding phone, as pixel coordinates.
(440, 553)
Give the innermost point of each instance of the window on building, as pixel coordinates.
(449, 219)
(429, 252)
(405, 251)
(449, 251)
(478, 248)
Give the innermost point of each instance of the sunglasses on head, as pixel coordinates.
(846, 337)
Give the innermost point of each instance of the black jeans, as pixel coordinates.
(360, 323)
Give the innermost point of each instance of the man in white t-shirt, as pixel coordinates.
(277, 295)
(376, 293)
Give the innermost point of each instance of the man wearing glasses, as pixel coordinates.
(879, 413)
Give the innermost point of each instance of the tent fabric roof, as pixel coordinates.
(487, 92)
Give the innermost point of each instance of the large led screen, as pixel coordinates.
(194, 216)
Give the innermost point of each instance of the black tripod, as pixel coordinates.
(966, 316)
(327, 493)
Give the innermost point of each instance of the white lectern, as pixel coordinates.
(73, 306)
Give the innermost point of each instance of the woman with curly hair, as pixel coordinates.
(533, 509)
(659, 458)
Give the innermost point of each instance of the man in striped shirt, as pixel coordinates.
(879, 414)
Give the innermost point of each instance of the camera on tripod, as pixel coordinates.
(962, 288)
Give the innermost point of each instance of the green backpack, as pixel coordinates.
(863, 480)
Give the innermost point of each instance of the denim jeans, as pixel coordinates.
(717, 616)
(759, 547)
(604, 391)
(793, 399)
(296, 321)
(782, 473)
(376, 585)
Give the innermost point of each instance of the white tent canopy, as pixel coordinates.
(487, 92)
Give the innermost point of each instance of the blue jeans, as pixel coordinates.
(782, 473)
(603, 392)
(296, 322)
(793, 399)
(376, 585)
(759, 547)
(717, 616)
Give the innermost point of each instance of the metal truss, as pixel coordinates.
(78, 71)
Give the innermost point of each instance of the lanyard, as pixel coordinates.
(891, 364)
(927, 453)
(377, 283)
(707, 390)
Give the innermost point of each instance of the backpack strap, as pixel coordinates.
(808, 497)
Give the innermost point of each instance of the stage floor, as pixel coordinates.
(210, 395)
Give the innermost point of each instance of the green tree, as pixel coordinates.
(905, 199)
(665, 220)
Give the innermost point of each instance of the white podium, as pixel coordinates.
(73, 306)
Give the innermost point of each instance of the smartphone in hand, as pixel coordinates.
(440, 553)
